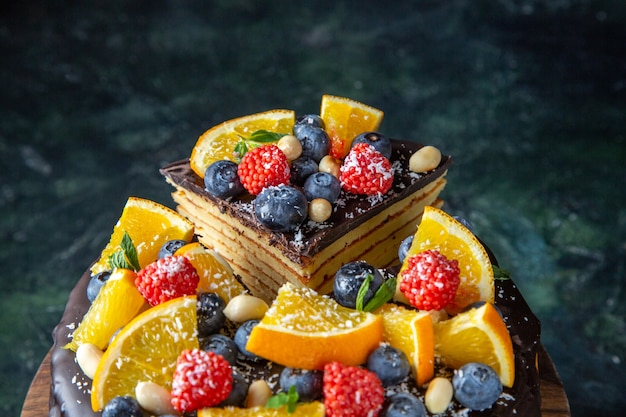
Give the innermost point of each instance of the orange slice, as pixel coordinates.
(303, 329)
(117, 303)
(477, 335)
(219, 142)
(215, 273)
(412, 332)
(344, 119)
(149, 225)
(312, 409)
(440, 231)
(146, 350)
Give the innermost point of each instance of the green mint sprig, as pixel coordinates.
(382, 295)
(255, 140)
(126, 256)
(500, 273)
(289, 398)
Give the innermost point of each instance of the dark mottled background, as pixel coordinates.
(528, 95)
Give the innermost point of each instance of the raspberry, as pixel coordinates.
(430, 280)
(166, 279)
(262, 167)
(350, 391)
(201, 379)
(366, 171)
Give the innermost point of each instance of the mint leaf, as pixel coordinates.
(126, 257)
(264, 136)
(255, 140)
(384, 294)
(290, 399)
(500, 273)
(360, 296)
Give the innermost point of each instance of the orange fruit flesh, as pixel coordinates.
(149, 225)
(344, 119)
(215, 274)
(412, 332)
(146, 350)
(478, 335)
(312, 409)
(441, 232)
(305, 330)
(219, 142)
(117, 303)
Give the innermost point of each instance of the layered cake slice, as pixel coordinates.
(368, 216)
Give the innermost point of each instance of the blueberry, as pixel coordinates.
(210, 312)
(322, 185)
(96, 282)
(301, 169)
(348, 281)
(403, 250)
(170, 247)
(238, 394)
(242, 335)
(222, 345)
(476, 386)
(404, 404)
(389, 364)
(125, 406)
(315, 142)
(307, 120)
(222, 180)
(308, 383)
(281, 208)
(381, 143)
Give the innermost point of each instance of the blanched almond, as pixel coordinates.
(88, 357)
(245, 307)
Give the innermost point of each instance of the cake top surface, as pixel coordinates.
(350, 210)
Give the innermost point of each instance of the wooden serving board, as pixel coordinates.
(553, 398)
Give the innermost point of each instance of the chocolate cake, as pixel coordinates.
(360, 228)
(70, 388)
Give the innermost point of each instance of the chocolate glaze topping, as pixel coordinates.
(70, 388)
(350, 211)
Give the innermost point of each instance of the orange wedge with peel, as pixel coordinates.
(117, 303)
(303, 329)
(440, 231)
(149, 225)
(219, 142)
(215, 273)
(477, 335)
(312, 409)
(344, 119)
(412, 332)
(146, 350)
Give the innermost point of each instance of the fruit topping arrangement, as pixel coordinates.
(175, 333)
(295, 168)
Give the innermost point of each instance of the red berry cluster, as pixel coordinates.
(201, 379)
(262, 167)
(366, 171)
(350, 391)
(430, 280)
(166, 279)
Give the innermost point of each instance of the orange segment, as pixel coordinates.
(312, 409)
(149, 225)
(215, 273)
(412, 332)
(440, 231)
(344, 119)
(146, 350)
(478, 335)
(303, 329)
(117, 303)
(219, 141)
